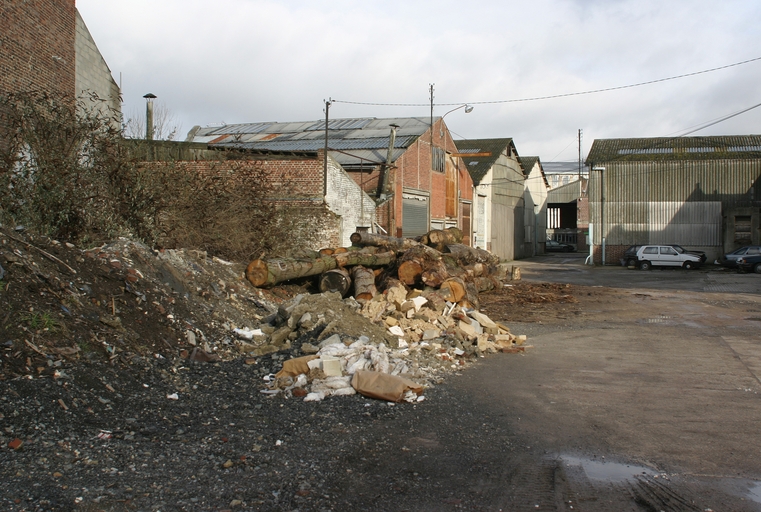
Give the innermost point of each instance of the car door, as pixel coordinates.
(650, 253)
(669, 257)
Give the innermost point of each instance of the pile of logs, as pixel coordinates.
(436, 261)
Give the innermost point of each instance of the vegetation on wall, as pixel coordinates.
(67, 172)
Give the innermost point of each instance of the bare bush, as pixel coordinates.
(53, 166)
(68, 173)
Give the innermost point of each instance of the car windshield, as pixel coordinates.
(678, 248)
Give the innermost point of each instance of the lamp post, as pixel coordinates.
(468, 110)
(149, 115)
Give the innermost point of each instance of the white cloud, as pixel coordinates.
(257, 60)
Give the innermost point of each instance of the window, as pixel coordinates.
(650, 250)
(742, 229)
(438, 160)
(668, 250)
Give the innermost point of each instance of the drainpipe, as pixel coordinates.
(602, 209)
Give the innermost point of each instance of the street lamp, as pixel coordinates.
(468, 110)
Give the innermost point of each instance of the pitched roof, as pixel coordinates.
(478, 166)
(350, 141)
(529, 162)
(741, 147)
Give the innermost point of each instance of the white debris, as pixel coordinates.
(396, 330)
(247, 333)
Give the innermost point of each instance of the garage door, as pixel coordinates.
(414, 217)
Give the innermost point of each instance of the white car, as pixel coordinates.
(665, 255)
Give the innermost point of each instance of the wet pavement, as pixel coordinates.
(648, 399)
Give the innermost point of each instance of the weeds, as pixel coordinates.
(40, 321)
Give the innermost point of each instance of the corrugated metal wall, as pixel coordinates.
(670, 202)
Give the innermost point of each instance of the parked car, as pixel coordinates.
(629, 258)
(750, 263)
(729, 260)
(700, 254)
(553, 246)
(667, 256)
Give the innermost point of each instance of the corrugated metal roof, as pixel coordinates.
(478, 166)
(369, 136)
(734, 147)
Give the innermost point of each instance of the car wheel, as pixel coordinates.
(645, 265)
(757, 268)
(631, 263)
(688, 265)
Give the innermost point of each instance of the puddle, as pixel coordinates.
(754, 493)
(610, 471)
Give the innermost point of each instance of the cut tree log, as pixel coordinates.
(440, 238)
(264, 273)
(336, 280)
(469, 255)
(388, 242)
(453, 290)
(435, 274)
(364, 283)
(415, 261)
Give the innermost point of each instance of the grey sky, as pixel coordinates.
(239, 61)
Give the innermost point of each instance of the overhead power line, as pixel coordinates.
(553, 96)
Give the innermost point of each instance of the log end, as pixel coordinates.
(257, 273)
(409, 272)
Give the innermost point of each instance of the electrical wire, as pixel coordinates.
(553, 96)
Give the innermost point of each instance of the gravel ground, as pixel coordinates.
(100, 437)
(102, 406)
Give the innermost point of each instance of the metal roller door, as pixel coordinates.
(414, 217)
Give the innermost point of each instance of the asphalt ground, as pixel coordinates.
(644, 398)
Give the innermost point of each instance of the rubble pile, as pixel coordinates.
(120, 300)
(398, 333)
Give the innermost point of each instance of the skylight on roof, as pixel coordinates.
(466, 151)
(645, 151)
(742, 149)
(474, 162)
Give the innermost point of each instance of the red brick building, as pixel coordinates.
(412, 173)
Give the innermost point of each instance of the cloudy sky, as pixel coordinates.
(238, 61)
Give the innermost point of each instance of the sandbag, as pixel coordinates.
(296, 366)
(383, 386)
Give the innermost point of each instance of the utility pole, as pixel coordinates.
(580, 132)
(325, 156)
(430, 88)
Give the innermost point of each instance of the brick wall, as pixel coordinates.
(37, 46)
(297, 183)
(347, 200)
(36, 49)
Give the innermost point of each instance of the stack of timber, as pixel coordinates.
(437, 263)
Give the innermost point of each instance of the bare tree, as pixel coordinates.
(165, 123)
